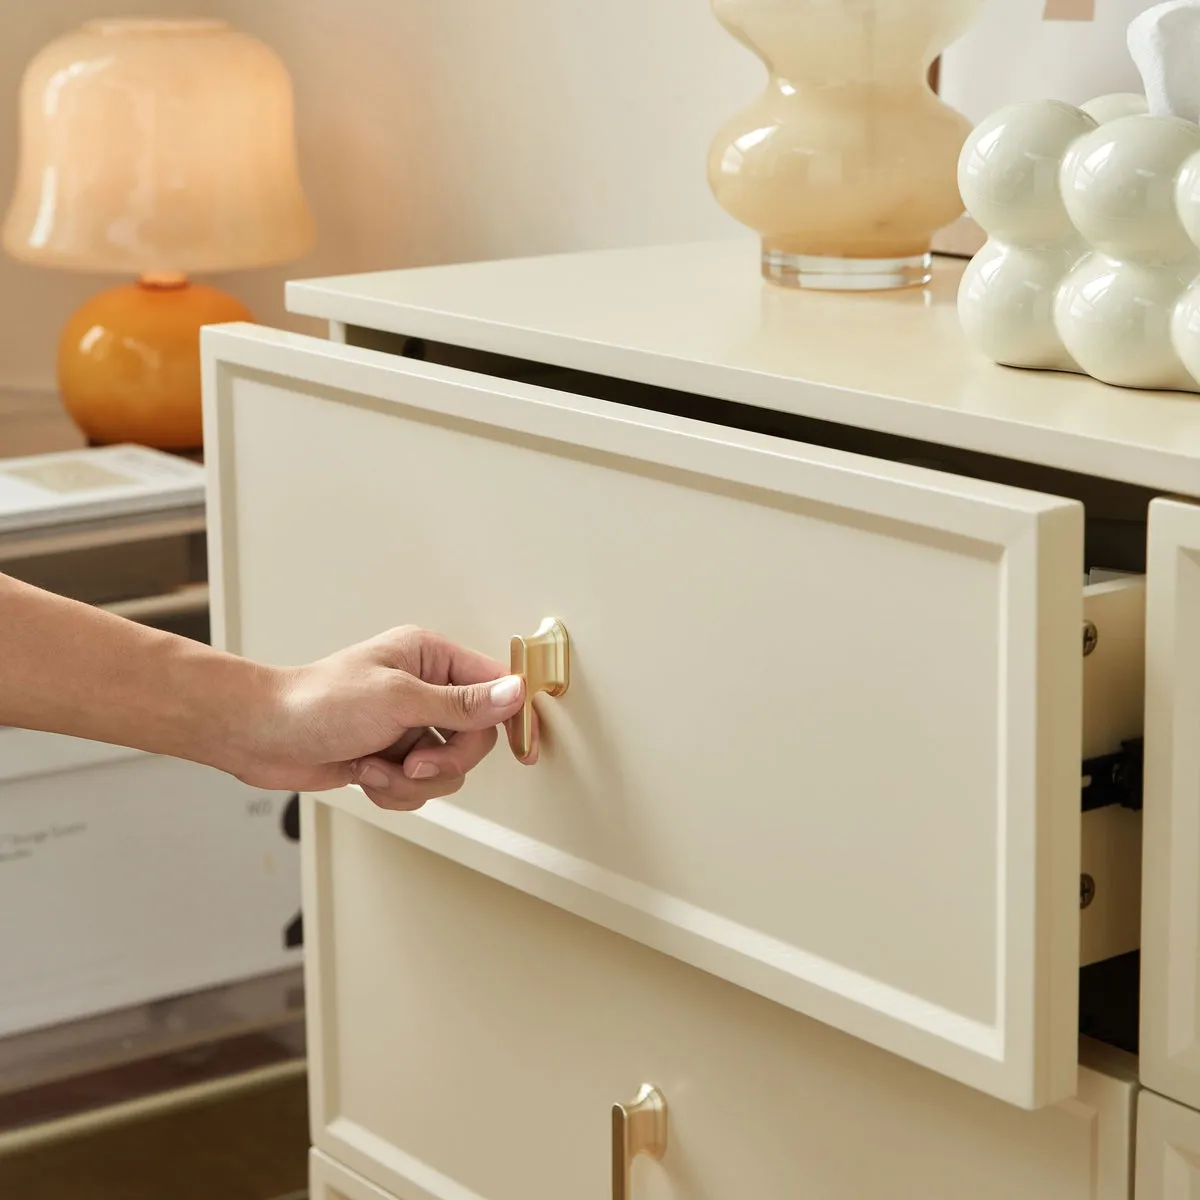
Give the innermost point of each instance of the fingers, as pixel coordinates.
(455, 757)
(468, 666)
(407, 749)
(386, 785)
(408, 741)
(440, 684)
(432, 768)
(460, 707)
(436, 659)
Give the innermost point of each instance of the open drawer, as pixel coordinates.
(825, 722)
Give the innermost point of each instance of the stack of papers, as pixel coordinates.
(95, 484)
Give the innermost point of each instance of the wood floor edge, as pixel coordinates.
(19, 1140)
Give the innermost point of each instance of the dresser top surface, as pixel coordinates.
(700, 319)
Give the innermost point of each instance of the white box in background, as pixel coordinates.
(126, 878)
(1072, 50)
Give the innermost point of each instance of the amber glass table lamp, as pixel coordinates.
(157, 149)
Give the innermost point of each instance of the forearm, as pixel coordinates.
(69, 668)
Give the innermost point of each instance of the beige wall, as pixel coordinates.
(442, 130)
(445, 130)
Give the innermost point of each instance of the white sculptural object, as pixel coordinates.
(1093, 219)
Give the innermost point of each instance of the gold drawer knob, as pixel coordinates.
(637, 1128)
(544, 662)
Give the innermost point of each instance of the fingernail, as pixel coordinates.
(423, 770)
(373, 777)
(505, 691)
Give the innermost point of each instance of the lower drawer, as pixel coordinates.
(468, 1040)
(329, 1180)
(1168, 1150)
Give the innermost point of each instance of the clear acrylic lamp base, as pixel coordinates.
(833, 274)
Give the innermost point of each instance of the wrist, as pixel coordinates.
(235, 710)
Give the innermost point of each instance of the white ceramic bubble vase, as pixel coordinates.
(846, 164)
(1092, 262)
(1090, 252)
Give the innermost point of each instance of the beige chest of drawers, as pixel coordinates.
(806, 849)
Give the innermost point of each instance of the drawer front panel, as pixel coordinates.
(468, 1041)
(1170, 1011)
(1168, 1150)
(822, 735)
(329, 1180)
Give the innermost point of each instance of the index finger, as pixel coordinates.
(455, 664)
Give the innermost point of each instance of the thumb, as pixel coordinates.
(463, 708)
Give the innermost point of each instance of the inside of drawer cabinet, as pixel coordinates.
(1110, 797)
(1114, 560)
(1115, 538)
(1108, 1001)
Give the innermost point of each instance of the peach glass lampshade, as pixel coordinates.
(153, 148)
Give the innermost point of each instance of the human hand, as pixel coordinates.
(365, 714)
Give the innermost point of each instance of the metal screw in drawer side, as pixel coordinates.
(1087, 890)
(1090, 638)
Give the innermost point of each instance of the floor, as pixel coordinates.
(249, 1146)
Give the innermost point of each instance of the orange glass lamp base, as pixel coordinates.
(129, 361)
